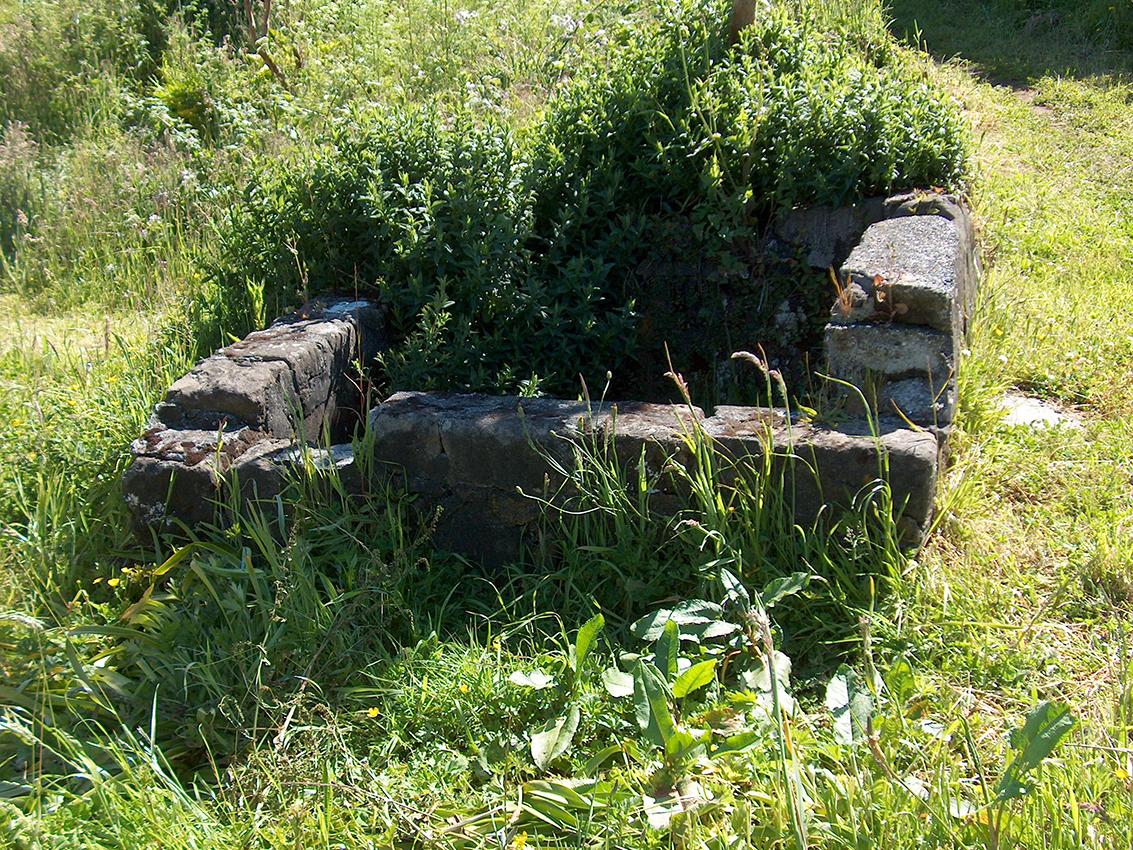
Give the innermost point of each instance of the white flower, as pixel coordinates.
(463, 16)
(566, 23)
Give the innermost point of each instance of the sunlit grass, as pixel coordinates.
(345, 686)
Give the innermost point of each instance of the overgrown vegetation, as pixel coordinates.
(344, 685)
(495, 249)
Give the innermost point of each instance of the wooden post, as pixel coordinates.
(743, 15)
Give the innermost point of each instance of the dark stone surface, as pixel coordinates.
(177, 475)
(827, 235)
(903, 370)
(484, 501)
(221, 390)
(826, 468)
(238, 410)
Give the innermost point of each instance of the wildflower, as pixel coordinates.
(113, 582)
(21, 218)
(464, 16)
(372, 712)
(463, 688)
(569, 25)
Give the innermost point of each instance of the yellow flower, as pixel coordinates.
(372, 711)
(113, 582)
(463, 688)
(519, 842)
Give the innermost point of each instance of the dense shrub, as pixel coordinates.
(503, 260)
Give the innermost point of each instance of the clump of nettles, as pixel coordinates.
(510, 260)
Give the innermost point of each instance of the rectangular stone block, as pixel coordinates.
(300, 371)
(316, 353)
(825, 469)
(892, 351)
(955, 209)
(903, 370)
(911, 269)
(470, 456)
(258, 394)
(177, 475)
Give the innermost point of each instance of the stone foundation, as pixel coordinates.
(236, 425)
(240, 411)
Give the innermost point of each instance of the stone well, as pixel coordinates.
(236, 424)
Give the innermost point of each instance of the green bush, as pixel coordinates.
(509, 259)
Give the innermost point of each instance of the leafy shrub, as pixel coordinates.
(504, 260)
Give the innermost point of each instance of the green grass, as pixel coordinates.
(347, 687)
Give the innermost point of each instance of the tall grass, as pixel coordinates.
(327, 679)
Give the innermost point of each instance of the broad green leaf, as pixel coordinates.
(601, 757)
(584, 641)
(737, 743)
(175, 559)
(692, 612)
(651, 704)
(536, 679)
(850, 704)
(685, 743)
(550, 812)
(618, 684)
(779, 589)
(666, 651)
(694, 678)
(734, 590)
(901, 682)
(1044, 729)
(554, 738)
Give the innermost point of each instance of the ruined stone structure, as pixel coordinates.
(234, 426)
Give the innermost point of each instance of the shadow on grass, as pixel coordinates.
(1006, 47)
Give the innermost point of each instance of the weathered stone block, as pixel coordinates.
(264, 471)
(300, 371)
(177, 475)
(296, 372)
(472, 455)
(956, 210)
(825, 469)
(259, 395)
(315, 353)
(907, 270)
(854, 352)
(919, 400)
(484, 515)
(828, 234)
(905, 370)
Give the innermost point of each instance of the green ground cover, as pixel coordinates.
(350, 688)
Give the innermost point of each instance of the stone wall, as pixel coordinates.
(899, 322)
(242, 409)
(480, 459)
(235, 426)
